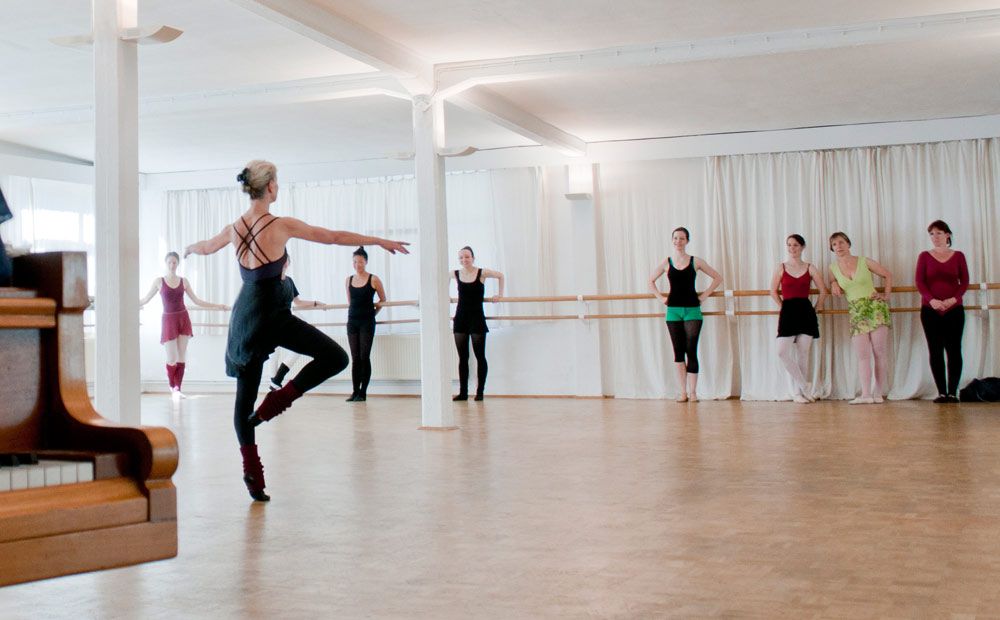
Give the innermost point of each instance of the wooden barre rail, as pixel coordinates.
(620, 297)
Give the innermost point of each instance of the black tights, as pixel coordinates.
(684, 337)
(295, 335)
(944, 335)
(479, 348)
(361, 340)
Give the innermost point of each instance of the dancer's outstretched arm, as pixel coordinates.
(210, 246)
(300, 230)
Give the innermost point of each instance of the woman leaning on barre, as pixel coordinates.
(684, 308)
(798, 324)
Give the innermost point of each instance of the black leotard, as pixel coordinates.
(469, 316)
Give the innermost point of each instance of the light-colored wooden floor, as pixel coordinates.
(571, 509)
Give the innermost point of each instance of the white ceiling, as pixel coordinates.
(45, 90)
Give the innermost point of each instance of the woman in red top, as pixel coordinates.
(176, 324)
(797, 322)
(942, 278)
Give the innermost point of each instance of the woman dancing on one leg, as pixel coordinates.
(175, 329)
(869, 312)
(261, 321)
(684, 309)
(942, 278)
(470, 321)
(361, 287)
(797, 322)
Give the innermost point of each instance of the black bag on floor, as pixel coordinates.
(981, 390)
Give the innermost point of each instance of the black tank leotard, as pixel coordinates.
(469, 316)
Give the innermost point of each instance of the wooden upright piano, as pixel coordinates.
(125, 510)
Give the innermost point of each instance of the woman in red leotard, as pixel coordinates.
(797, 321)
(176, 324)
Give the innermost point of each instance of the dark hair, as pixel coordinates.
(470, 251)
(842, 236)
(174, 254)
(681, 229)
(361, 252)
(798, 238)
(943, 227)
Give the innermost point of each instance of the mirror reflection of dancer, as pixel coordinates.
(869, 312)
(684, 309)
(470, 320)
(797, 321)
(175, 330)
(361, 288)
(261, 321)
(282, 359)
(942, 278)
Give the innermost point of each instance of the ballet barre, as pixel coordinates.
(982, 288)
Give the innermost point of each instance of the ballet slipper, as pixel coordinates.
(692, 398)
(800, 398)
(862, 400)
(253, 473)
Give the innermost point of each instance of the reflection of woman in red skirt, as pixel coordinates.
(176, 329)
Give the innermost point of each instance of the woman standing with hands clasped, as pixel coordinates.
(869, 314)
(470, 320)
(684, 308)
(797, 321)
(175, 327)
(942, 278)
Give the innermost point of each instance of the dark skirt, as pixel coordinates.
(797, 317)
(175, 324)
(259, 314)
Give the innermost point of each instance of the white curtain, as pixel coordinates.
(741, 208)
(639, 204)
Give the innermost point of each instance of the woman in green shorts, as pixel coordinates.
(869, 312)
(684, 309)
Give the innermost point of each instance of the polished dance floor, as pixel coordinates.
(562, 508)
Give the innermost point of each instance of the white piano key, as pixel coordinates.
(18, 478)
(36, 476)
(67, 472)
(84, 471)
(52, 471)
(4, 479)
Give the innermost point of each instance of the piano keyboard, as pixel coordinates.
(46, 473)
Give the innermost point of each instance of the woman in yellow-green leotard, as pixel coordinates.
(869, 312)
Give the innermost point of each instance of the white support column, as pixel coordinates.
(435, 387)
(587, 337)
(116, 171)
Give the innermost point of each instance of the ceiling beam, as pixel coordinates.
(278, 93)
(486, 103)
(345, 36)
(456, 77)
(369, 47)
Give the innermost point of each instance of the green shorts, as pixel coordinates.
(688, 313)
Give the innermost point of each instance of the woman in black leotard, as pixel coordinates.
(470, 321)
(361, 288)
(261, 320)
